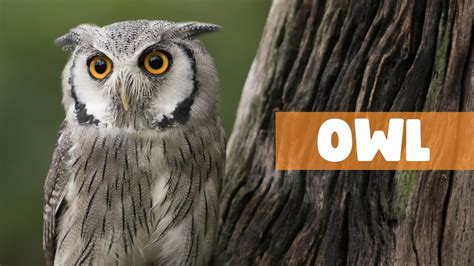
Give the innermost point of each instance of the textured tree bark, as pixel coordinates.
(342, 55)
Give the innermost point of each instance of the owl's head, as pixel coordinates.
(139, 75)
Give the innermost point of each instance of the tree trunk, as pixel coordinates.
(343, 55)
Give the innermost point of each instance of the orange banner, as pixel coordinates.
(375, 141)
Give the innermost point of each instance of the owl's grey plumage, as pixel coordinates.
(136, 171)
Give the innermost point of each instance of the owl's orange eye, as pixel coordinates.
(100, 66)
(156, 62)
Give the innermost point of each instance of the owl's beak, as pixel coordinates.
(124, 97)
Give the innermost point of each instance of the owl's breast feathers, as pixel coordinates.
(132, 197)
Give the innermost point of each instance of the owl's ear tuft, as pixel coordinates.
(70, 40)
(191, 30)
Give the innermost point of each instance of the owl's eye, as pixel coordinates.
(99, 66)
(156, 62)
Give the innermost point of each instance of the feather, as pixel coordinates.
(55, 183)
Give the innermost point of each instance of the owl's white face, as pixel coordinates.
(138, 75)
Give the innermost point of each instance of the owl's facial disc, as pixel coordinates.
(138, 75)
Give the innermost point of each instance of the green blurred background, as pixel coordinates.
(30, 98)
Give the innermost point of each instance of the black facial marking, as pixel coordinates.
(80, 108)
(180, 115)
(82, 116)
(164, 122)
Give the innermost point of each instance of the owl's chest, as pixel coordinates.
(113, 163)
(114, 188)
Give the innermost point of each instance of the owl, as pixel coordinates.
(136, 170)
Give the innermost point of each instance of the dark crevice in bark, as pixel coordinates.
(238, 204)
(259, 199)
(345, 231)
(467, 77)
(332, 184)
(300, 218)
(322, 92)
(232, 196)
(243, 203)
(346, 43)
(264, 242)
(444, 217)
(305, 50)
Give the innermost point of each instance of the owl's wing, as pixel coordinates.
(54, 191)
